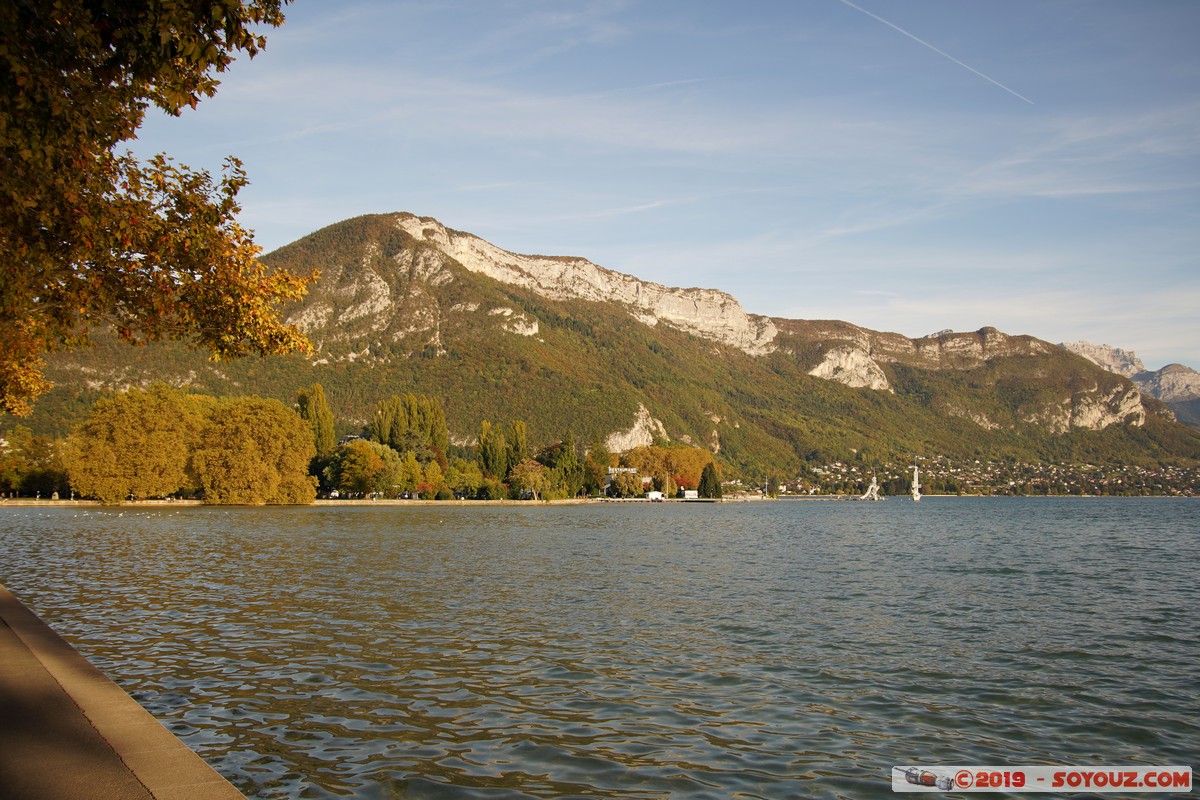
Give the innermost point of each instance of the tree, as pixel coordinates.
(364, 467)
(135, 444)
(432, 481)
(518, 447)
(31, 464)
(314, 410)
(563, 458)
(91, 237)
(410, 474)
(493, 451)
(255, 451)
(389, 422)
(529, 476)
(626, 484)
(412, 422)
(710, 483)
(464, 477)
(595, 467)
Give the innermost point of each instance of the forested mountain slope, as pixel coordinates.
(406, 305)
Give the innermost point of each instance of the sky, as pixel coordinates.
(1033, 165)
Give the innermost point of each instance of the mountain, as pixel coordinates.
(1176, 385)
(405, 304)
(1113, 359)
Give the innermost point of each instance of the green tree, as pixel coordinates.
(411, 473)
(255, 451)
(595, 467)
(389, 422)
(710, 482)
(93, 237)
(626, 484)
(518, 446)
(464, 477)
(314, 410)
(134, 445)
(493, 451)
(412, 422)
(563, 458)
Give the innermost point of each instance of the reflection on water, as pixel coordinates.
(791, 649)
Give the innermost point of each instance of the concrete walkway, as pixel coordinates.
(69, 733)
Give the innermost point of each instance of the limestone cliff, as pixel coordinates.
(1174, 383)
(1113, 359)
(708, 313)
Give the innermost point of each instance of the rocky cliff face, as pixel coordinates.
(707, 313)
(1174, 383)
(853, 367)
(1094, 410)
(1113, 359)
(861, 358)
(386, 299)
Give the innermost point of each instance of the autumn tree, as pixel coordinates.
(92, 237)
(134, 445)
(255, 451)
(363, 467)
(31, 464)
(672, 467)
(529, 477)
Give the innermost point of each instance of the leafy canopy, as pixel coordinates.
(91, 237)
(135, 445)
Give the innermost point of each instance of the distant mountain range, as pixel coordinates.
(405, 303)
(1175, 384)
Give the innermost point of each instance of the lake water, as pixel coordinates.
(751, 650)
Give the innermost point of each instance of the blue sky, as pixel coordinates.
(906, 166)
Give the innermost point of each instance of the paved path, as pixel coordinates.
(69, 733)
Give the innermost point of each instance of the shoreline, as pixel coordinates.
(68, 732)
(28, 502)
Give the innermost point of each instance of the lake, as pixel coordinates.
(749, 650)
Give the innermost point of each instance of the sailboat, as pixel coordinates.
(916, 486)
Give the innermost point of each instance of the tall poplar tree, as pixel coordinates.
(314, 410)
(493, 451)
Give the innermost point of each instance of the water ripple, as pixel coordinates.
(751, 651)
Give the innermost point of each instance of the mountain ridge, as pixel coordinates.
(1176, 385)
(542, 338)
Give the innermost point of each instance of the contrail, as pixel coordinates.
(934, 49)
